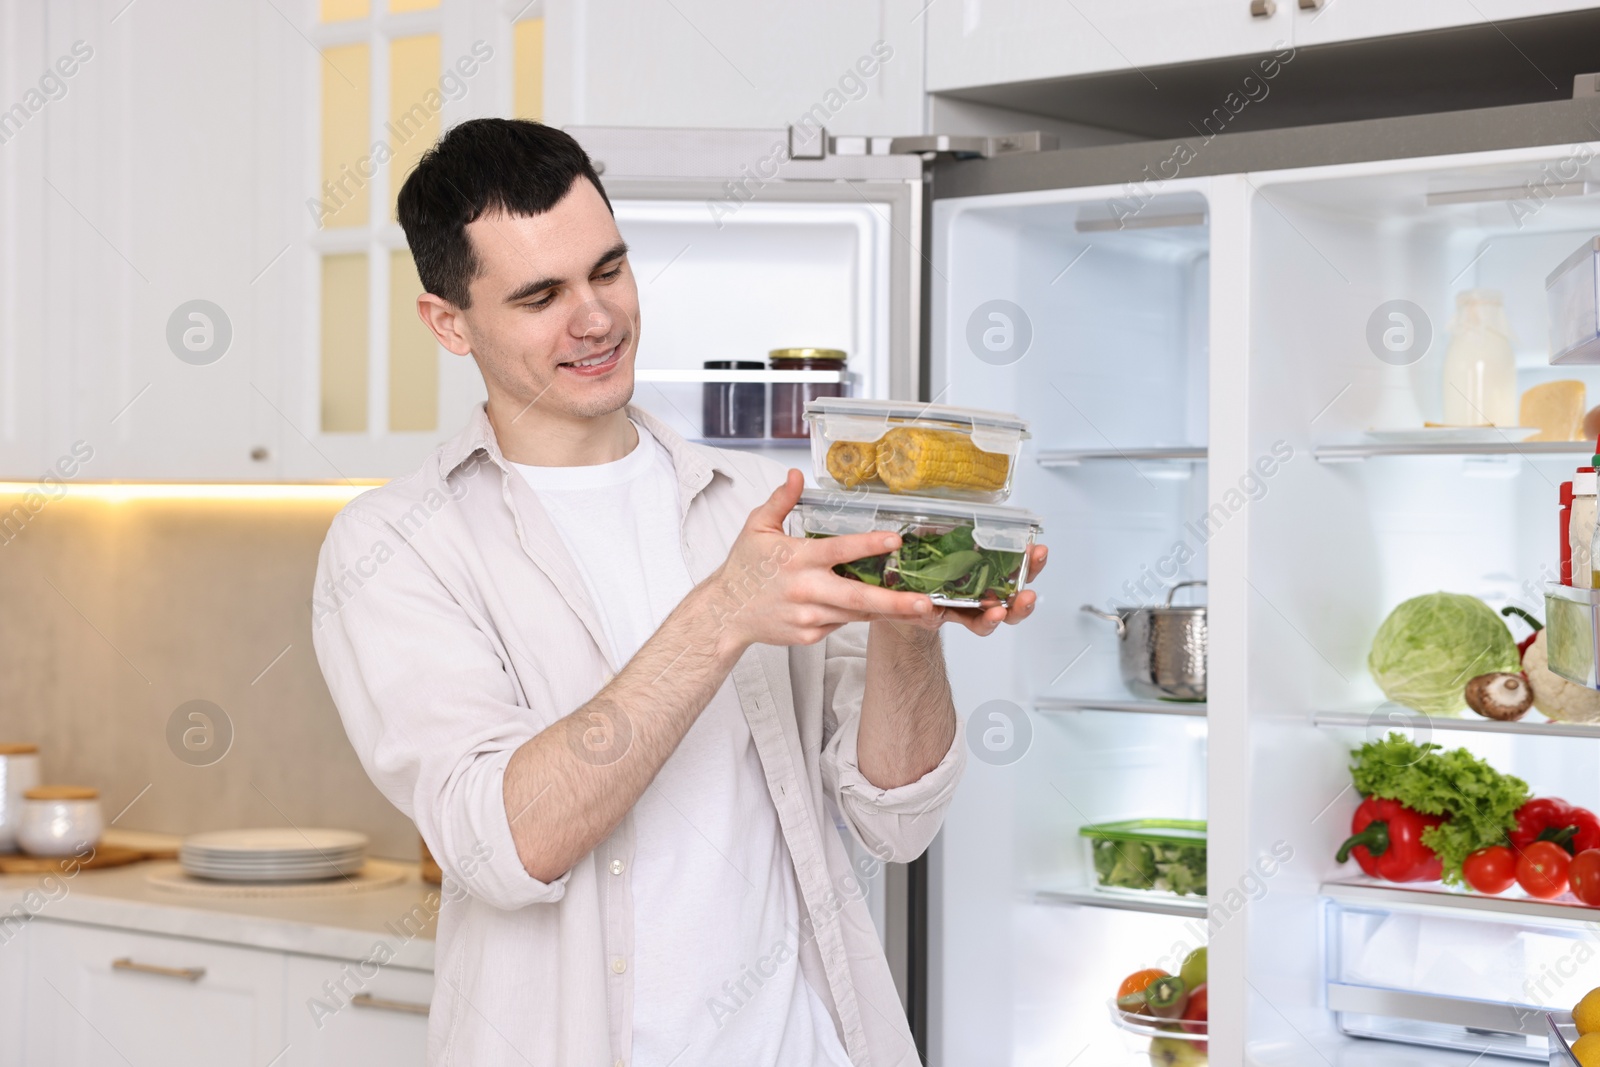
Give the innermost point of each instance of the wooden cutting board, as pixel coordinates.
(104, 856)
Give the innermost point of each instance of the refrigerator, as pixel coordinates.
(1202, 336)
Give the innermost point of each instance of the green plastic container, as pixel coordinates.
(1165, 856)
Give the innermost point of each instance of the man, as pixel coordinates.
(621, 704)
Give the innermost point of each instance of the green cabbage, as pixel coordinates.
(1431, 646)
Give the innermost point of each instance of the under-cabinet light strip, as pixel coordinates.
(130, 492)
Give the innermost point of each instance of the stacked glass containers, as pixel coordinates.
(937, 476)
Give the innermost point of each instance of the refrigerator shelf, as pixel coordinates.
(1193, 709)
(1489, 1027)
(752, 442)
(1074, 457)
(1370, 893)
(1416, 722)
(1355, 453)
(1151, 904)
(695, 376)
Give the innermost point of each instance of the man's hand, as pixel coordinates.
(780, 590)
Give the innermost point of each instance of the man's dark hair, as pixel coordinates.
(481, 166)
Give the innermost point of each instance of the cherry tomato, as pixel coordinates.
(1586, 876)
(1543, 869)
(1491, 870)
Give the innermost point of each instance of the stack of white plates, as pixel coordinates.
(272, 855)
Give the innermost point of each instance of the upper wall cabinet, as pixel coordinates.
(996, 42)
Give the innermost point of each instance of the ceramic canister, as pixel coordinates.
(19, 772)
(60, 820)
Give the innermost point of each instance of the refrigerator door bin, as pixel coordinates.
(1570, 617)
(1573, 293)
(1479, 982)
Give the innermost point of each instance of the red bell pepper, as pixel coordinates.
(1386, 839)
(1550, 819)
(1522, 646)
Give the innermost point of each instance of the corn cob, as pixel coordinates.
(912, 458)
(852, 462)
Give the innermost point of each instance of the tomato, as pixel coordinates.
(1586, 876)
(1195, 1012)
(1490, 870)
(1138, 980)
(1543, 869)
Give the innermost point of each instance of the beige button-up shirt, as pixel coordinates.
(452, 626)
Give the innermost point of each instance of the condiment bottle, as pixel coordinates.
(1480, 367)
(1581, 528)
(1566, 533)
(789, 398)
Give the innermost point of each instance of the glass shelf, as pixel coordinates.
(1371, 893)
(1410, 720)
(1193, 908)
(769, 377)
(1194, 709)
(1074, 457)
(1355, 453)
(753, 442)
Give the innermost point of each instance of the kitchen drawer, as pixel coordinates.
(100, 996)
(342, 1013)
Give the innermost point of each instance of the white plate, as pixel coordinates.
(234, 876)
(276, 841)
(1453, 435)
(271, 857)
(190, 861)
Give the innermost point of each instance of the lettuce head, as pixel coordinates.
(1431, 646)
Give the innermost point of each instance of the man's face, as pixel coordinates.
(555, 311)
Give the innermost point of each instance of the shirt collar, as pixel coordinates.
(695, 465)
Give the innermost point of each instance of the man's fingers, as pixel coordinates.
(770, 515)
(861, 599)
(847, 548)
(1036, 560)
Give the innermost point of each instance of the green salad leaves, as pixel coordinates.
(1162, 865)
(1480, 802)
(946, 564)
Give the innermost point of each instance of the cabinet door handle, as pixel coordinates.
(367, 1000)
(188, 974)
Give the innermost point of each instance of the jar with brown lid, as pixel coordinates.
(789, 398)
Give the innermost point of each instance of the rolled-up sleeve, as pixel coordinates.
(427, 704)
(896, 825)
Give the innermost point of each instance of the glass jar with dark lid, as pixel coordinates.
(733, 409)
(789, 398)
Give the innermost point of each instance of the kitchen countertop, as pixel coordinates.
(340, 926)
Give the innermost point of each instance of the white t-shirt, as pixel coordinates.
(709, 901)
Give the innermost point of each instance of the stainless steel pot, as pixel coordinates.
(1162, 650)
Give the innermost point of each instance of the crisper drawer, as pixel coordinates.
(1439, 975)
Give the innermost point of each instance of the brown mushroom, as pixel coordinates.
(1500, 696)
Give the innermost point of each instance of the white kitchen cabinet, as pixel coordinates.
(341, 1013)
(996, 42)
(96, 996)
(1352, 20)
(993, 42)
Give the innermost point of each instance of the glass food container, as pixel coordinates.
(1573, 293)
(911, 447)
(789, 398)
(733, 409)
(60, 820)
(1162, 856)
(961, 555)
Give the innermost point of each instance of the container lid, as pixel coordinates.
(17, 748)
(808, 353)
(62, 792)
(1003, 529)
(1583, 483)
(1176, 831)
(883, 410)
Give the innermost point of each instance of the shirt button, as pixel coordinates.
(619, 965)
(616, 866)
